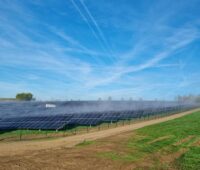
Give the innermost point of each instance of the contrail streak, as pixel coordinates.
(97, 27)
(87, 22)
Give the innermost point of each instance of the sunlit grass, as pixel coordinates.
(174, 136)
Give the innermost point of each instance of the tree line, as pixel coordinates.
(24, 96)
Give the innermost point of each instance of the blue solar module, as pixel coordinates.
(34, 115)
(89, 121)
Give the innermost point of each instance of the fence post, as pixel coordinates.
(20, 135)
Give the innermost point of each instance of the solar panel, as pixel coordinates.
(34, 115)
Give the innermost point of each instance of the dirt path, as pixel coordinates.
(15, 148)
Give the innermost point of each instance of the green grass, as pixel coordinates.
(190, 159)
(25, 132)
(85, 143)
(125, 157)
(163, 139)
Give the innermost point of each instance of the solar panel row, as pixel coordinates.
(32, 125)
(21, 109)
(93, 118)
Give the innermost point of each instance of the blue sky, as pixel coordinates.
(86, 49)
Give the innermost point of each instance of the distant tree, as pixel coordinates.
(24, 96)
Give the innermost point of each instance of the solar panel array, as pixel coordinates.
(62, 121)
(21, 109)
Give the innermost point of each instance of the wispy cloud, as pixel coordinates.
(176, 42)
(96, 30)
(79, 48)
(100, 32)
(74, 52)
(87, 22)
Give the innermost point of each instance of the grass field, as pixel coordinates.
(172, 145)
